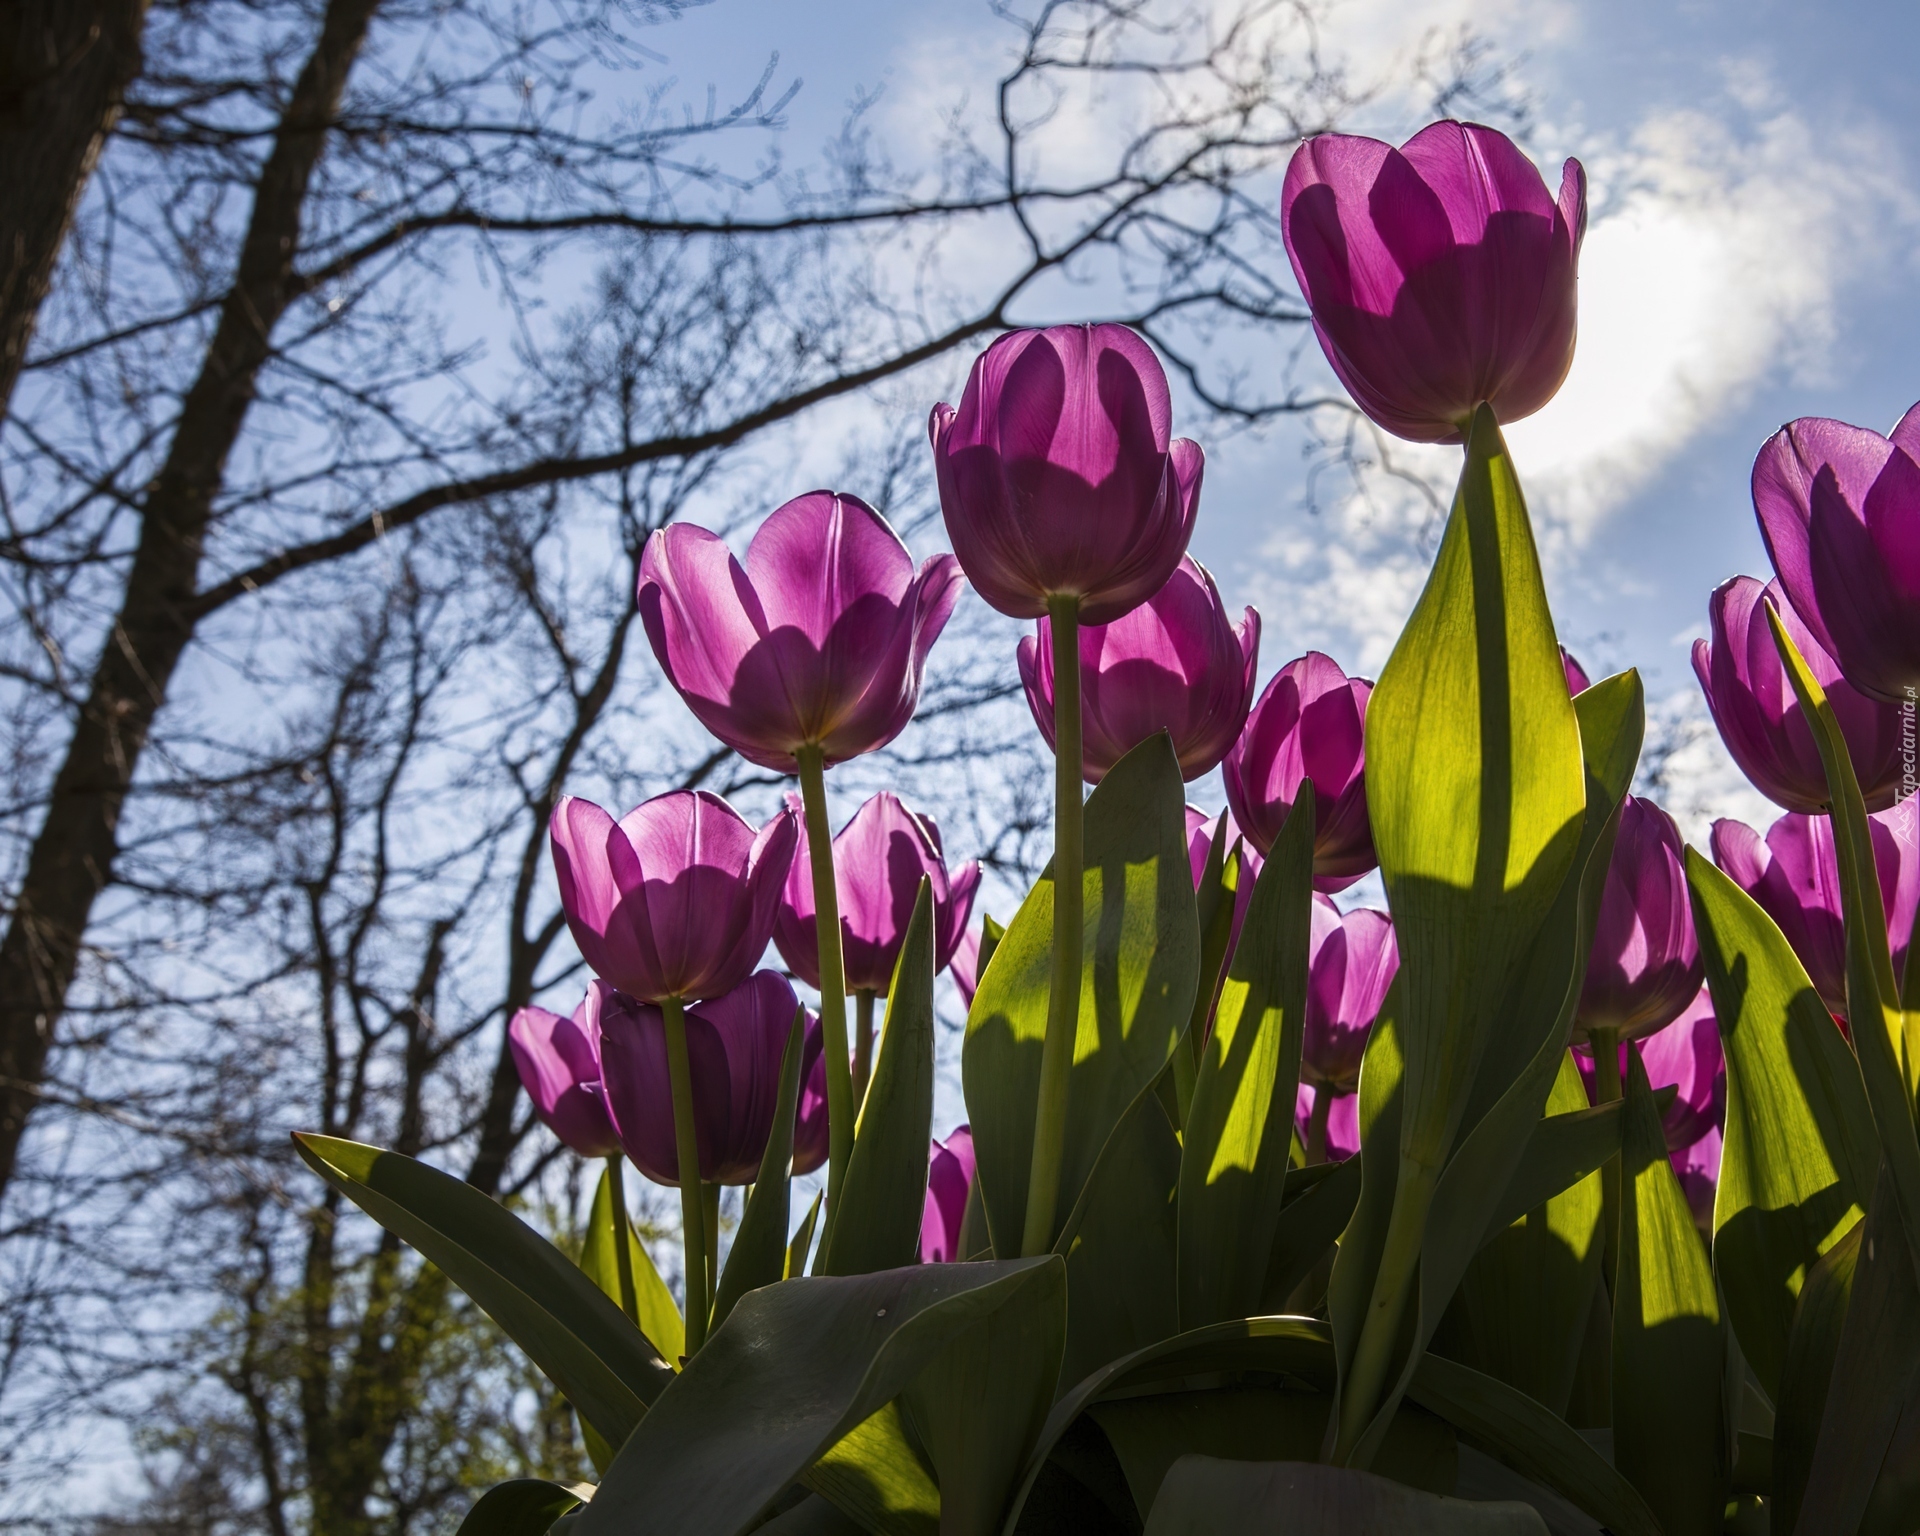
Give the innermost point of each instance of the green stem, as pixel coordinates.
(1063, 995)
(833, 972)
(686, 1151)
(711, 1194)
(1399, 1260)
(862, 1044)
(1317, 1124)
(1606, 1090)
(622, 1243)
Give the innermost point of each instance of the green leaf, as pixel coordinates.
(977, 1406)
(878, 1475)
(1514, 1429)
(1863, 1464)
(1669, 1345)
(1142, 947)
(1528, 1290)
(885, 1195)
(1799, 1156)
(526, 1506)
(1309, 1222)
(802, 1242)
(812, 1516)
(568, 1328)
(793, 1370)
(759, 1253)
(1350, 1287)
(1203, 1496)
(1812, 1347)
(1120, 1243)
(660, 1318)
(1233, 1161)
(1565, 1148)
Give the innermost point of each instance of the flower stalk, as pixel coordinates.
(833, 981)
(693, 1205)
(622, 1252)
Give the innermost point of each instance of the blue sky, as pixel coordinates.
(1749, 259)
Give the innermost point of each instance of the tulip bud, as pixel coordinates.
(820, 640)
(949, 1182)
(1645, 966)
(558, 1060)
(1351, 961)
(879, 858)
(677, 898)
(734, 1045)
(1839, 508)
(1307, 725)
(1176, 663)
(1794, 876)
(1577, 680)
(1440, 274)
(1753, 704)
(1058, 474)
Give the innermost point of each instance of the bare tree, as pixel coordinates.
(380, 348)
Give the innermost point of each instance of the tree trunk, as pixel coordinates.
(72, 857)
(63, 67)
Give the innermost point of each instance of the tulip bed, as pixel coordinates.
(1479, 1214)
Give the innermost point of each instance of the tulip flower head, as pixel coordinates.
(810, 1136)
(1342, 1133)
(1794, 875)
(1753, 704)
(1440, 274)
(879, 858)
(559, 1064)
(677, 898)
(734, 1045)
(1059, 476)
(1577, 680)
(1351, 961)
(1645, 966)
(949, 1182)
(819, 640)
(1308, 724)
(1177, 663)
(1839, 508)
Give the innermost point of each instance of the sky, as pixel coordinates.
(1754, 207)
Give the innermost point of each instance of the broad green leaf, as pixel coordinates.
(1257, 1424)
(1528, 1290)
(1120, 1243)
(582, 1341)
(792, 1370)
(1350, 1288)
(878, 1475)
(1799, 1155)
(1812, 1346)
(1215, 897)
(1669, 1343)
(1475, 791)
(660, 1318)
(1565, 1148)
(812, 1516)
(1511, 1427)
(802, 1241)
(1863, 1462)
(526, 1506)
(1142, 947)
(759, 1253)
(1202, 1496)
(1309, 1223)
(978, 1405)
(885, 1195)
(1233, 1161)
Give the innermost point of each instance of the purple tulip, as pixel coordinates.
(1645, 965)
(677, 898)
(734, 1044)
(1753, 704)
(810, 1133)
(964, 967)
(1794, 875)
(1058, 475)
(1577, 679)
(559, 1064)
(1342, 1131)
(1309, 724)
(1440, 274)
(1839, 507)
(949, 1182)
(1351, 961)
(879, 858)
(1685, 1054)
(820, 640)
(1176, 663)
